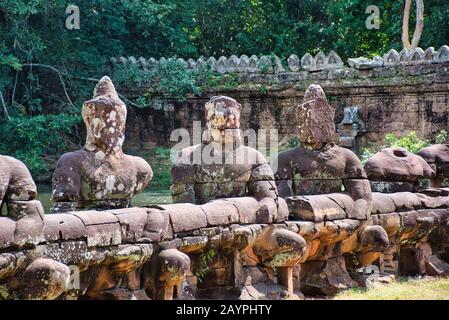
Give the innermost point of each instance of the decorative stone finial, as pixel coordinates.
(105, 87)
(314, 91)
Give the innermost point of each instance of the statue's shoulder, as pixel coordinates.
(251, 155)
(353, 165)
(140, 163)
(348, 154)
(12, 161)
(431, 153)
(73, 158)
(291, 156)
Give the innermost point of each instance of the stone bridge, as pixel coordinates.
(238, 230)
(396, 93)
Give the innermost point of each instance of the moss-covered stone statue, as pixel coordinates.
(100, 175)
(221, 175)
(325, 184)
(221, 166)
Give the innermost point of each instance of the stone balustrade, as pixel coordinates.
(242, 235)
(118, 252)
(309, 63)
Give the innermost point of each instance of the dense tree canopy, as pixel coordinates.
(44, 67)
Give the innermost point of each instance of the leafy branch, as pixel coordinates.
(205, 259)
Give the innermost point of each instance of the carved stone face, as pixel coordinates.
(105, 119)
(316, 119)
(222, 120)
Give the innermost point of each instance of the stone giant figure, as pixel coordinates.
(100, 175)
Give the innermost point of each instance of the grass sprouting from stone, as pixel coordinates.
(404, 289)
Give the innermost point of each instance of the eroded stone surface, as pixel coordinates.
(25, 216)
(100, 175)
(234, 239)
(225, 167)
(396, 169)
(325, 184)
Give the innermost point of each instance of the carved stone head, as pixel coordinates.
(105, 118)
(316, 119)
(313, 92)
(222, 120)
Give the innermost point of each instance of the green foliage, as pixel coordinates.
(33, 31)
(160, 162)
(30, 139)
(130, 76)
(162, 176)
(11, 61)
(162, 152)
(230, 81)
(293, 142)
(264, 67)
(208, 79)
(409, 142)
(368, 153)
(174, 80)
(169, 77)
(441, 137)
(290, 143)
(205, 259)
(263, 89)
(285, 27)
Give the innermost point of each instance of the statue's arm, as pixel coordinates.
(144, 173)
(66, 184)
(182, 188)
(21, 186)
(262, 187)
(358, 186)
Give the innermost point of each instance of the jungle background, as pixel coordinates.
(47, 71)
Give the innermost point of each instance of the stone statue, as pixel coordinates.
(318, 165)
(220, 175)
(16, 182)
(325, 184)
(18, 192)
(350, 128)
(437, 156)
(397, 170)
(221, 166)
(100, 175)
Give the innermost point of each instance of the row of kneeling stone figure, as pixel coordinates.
(236, 230)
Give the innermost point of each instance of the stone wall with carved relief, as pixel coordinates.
(398, 93)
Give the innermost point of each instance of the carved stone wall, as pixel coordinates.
(398, 93)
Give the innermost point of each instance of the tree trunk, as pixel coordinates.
(5, 108)
(419, 24)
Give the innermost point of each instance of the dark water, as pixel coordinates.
(146, 197)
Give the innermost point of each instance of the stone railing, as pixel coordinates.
(309, 63)
(239, 231)
(160, 251)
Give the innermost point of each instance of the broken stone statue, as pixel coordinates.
(18, 192)
(100, 175)
(326, 185)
